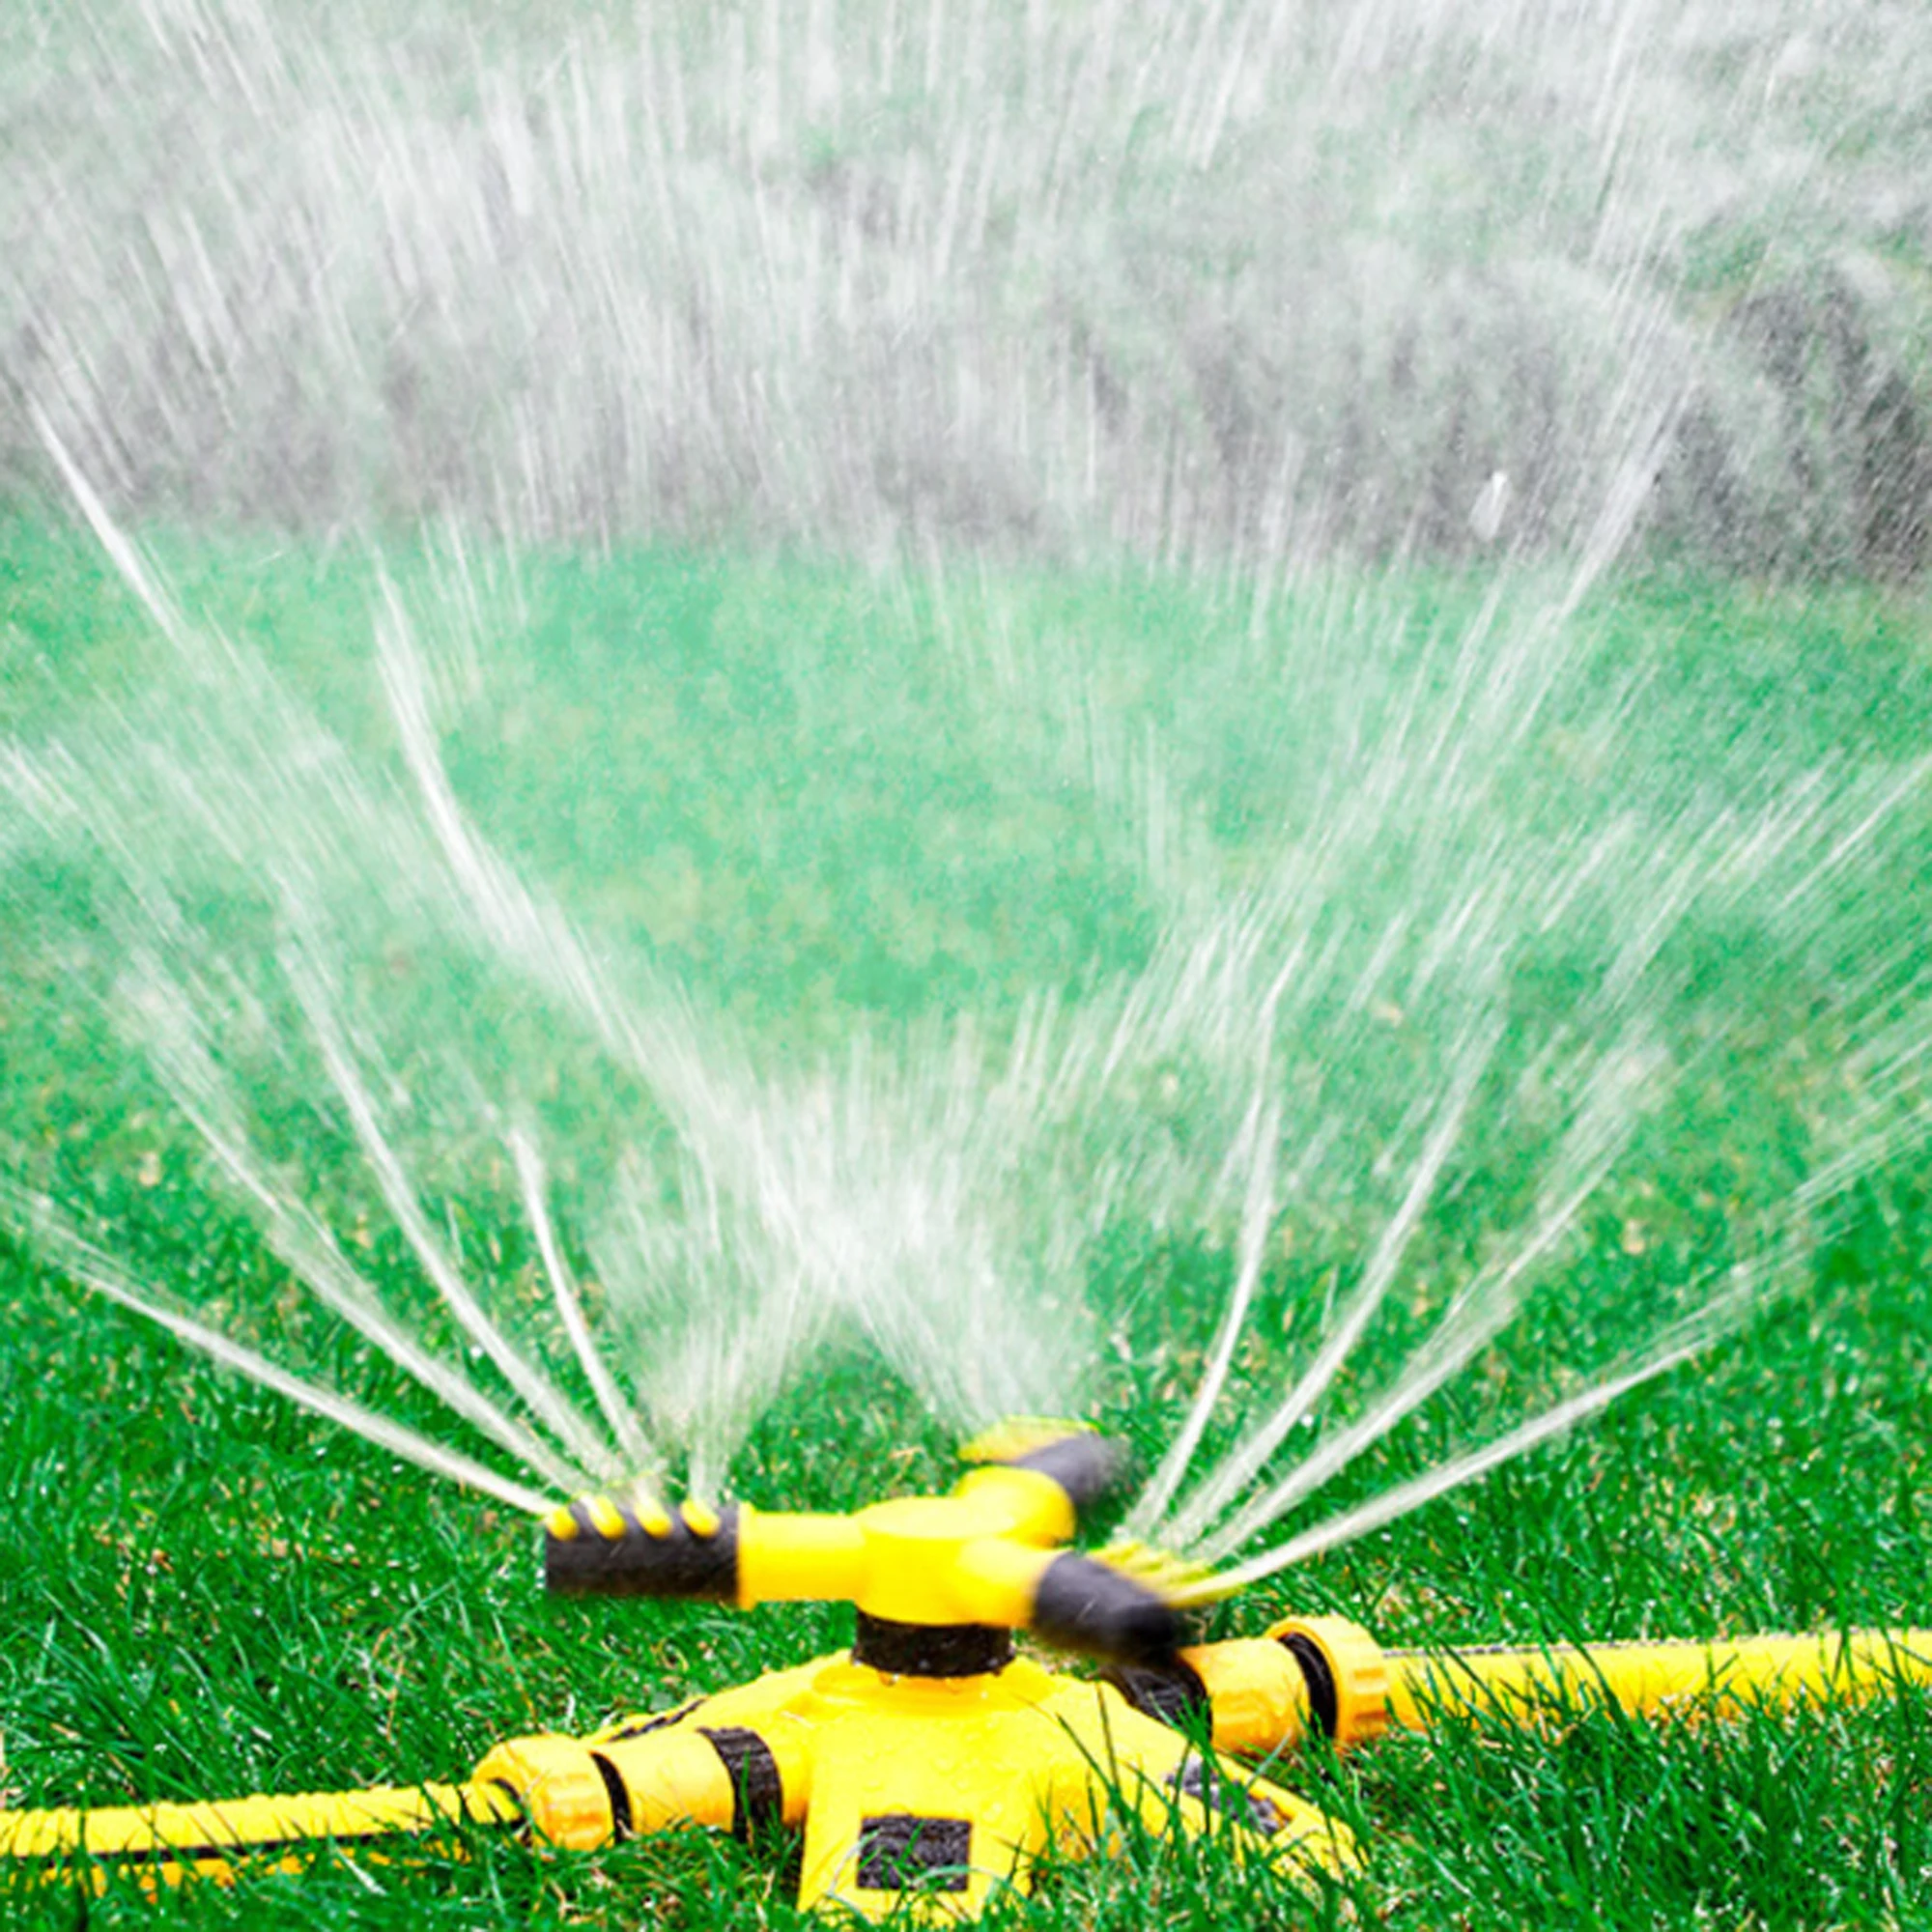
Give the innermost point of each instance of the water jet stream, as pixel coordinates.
(1746, 1291)
(638, 1455)
(536, 1391)
(1475, 1317)
(1238, 1470)
(172, 1037)
(84, 1262)
(1684, 1342)
(1262, 1131)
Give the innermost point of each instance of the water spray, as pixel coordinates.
(932, 1764)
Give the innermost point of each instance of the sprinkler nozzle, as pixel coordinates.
(1085, 1463)
(1085, 1604)
(600, 1546)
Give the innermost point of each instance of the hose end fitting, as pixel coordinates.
(1347, 1677)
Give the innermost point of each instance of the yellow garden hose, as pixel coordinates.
(1263, 1694)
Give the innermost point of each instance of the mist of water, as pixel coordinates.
(942, 1195)
(1194, 283)
(1203, 281)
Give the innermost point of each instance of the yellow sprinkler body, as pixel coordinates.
(946, 1789)
(930, 1766)
(930, 1761)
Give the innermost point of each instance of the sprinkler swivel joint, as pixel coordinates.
(990, 1553)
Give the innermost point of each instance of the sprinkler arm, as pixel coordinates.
(990, 1553)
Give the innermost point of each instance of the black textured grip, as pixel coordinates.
(636, 1563)
(1087, 1606)
(757, 1789)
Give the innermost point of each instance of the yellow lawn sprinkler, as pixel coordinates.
(929, 1764)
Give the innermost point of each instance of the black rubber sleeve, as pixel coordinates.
(1324, 1700)
(1087, 1606)
(1086, 1467)
(635, 1563)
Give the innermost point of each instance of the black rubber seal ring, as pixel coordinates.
(931, 1650)
(1323, 1704)
(520, 1826)
(620, 1795)
(757, 1790)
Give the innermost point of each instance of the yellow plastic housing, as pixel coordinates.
(973, 1557)
(998, 1768)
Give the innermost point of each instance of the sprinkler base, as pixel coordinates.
(918, 1794)
(944, 1786)
(921, 1792)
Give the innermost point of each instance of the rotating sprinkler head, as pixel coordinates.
(937, 1581)
(929, 1760)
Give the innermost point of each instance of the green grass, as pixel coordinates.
(716, 763)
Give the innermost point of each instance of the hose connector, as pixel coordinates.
(1346, 1672)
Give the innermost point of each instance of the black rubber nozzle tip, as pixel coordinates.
(1088, 1607)
(682, 1561)
(1086, 1467)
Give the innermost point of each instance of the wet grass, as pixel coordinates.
(204, 1592)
